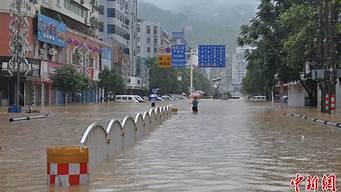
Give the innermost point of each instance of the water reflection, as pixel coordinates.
(227, 146)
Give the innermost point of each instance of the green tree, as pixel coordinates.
(282, 34)
(68, 80)
(111, 82)
(166, 79)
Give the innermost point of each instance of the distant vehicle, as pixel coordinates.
(234, 97)
(160, 99)
(139, 98)
(258, 98)
(174, 98)
(167, 98)
(127, 99)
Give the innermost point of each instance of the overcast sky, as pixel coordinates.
(174, 4)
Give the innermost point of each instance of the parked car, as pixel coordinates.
(258, 98)
(127, 99)
(160, 99)
(167, 98)
(139, 98)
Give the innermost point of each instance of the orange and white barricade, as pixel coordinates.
(67, 166)
(326, 103)
(332, 104)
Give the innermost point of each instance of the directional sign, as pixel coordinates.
(211, 56)
(165, 61)
(178, 55)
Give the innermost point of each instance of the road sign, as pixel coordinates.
(211, 56)
(165, 61)
(168, 50)
(178, 55)
(161, 50)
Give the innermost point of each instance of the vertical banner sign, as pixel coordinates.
(211, 56)
(165, 57)
(178, 55)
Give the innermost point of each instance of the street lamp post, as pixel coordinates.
(18, 27)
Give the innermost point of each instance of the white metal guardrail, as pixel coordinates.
(105, 138)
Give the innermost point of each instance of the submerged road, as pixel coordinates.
(228, 146)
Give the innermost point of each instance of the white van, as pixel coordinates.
(127, 99)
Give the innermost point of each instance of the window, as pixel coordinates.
(148, 28)
(75, 8)
(130, 98)
(155, 40)
(138, 28)
(148, 40)
(124, 98)
(155, 50)
(148, 49)
(111, 12)
(138, 39)
(138, 49)
(118, 98)
(155, 30)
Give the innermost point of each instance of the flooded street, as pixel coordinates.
(228, 146)
(23, 144)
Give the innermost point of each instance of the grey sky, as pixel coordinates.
(175, 4)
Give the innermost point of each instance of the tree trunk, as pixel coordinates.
(64, 94)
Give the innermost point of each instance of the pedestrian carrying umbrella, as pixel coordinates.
(152, 96)
(195, 94)
(200, 92)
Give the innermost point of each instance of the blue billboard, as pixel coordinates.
(178, 55)
(211, 56)
(51, 31)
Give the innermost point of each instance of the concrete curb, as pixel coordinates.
(324, 122)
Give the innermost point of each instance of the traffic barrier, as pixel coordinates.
(332, 104)
(95, 138)
(152, 119)
(146, 124)
(139, 127)
(326, 103)
(337, 125)
(106, 138)
(67, 166)
(129, 132)
(115, 137)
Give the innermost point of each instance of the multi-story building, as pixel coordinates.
(115, 30)
(239, 65)
(118, 27)
(61, 32)
(150, 37)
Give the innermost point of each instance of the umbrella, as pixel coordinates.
(200, 92)
(195, 94)
(153, 96)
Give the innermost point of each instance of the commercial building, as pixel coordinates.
(61, 32)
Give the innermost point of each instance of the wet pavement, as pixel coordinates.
(228, 146)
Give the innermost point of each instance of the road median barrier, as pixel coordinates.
(100, 141)
(324, 122)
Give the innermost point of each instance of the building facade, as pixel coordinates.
(150, 37)
(60, 32)
(239, 65)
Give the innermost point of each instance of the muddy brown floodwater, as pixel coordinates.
(228, 146)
